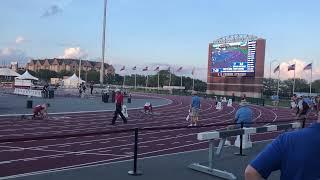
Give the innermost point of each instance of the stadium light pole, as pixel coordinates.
(270, 67)
(103, 42)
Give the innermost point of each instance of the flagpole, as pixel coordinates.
(311, 79)
(294, 78)
(170, 77)
(278, 82)
(124, 79)
(181, 81)
(135, 81)
(158, 80)
(147, 81)
(192, 82)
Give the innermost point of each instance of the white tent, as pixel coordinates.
(72, 81)
(27, 76)
(8, 72)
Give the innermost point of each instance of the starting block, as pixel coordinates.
(229, 103)
(219, 106)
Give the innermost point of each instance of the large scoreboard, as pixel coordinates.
(233, 59)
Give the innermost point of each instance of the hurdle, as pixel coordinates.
(222, 136)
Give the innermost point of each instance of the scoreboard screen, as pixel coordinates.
(233, 59)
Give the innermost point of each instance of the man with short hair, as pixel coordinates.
(243, 115)
(296, 154)
(118, 110)
(195, 108)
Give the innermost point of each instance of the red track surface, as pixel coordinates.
(32, 157)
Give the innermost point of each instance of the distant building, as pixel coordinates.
(58, 65)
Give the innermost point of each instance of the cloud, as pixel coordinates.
(74, 52)
(300, 73)
(52, 10)
(8, 55)
(20, 40)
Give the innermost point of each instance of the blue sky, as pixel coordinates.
(173, 32)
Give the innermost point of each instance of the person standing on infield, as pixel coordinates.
(118, 111)
(195, 108)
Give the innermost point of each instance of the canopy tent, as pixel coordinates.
(72, 81)
(27, 76)
(8, 72)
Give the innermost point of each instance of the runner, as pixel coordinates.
(148, 108)
(40, 111)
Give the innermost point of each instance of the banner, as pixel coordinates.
(27, 92)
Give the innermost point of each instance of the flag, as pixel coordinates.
(308, 67)
(123, 68)
(134, 68)
(145, 69)
(276, 69)
(157, 68)
(180, 68)
(193, 71)
(169, 68)
(292, 67)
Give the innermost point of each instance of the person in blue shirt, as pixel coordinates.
(244, 114)
(195, 108)
(296, 154)
(275, 101)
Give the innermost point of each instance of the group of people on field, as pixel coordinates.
(301, 106)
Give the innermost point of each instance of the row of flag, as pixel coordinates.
(293, 67)
(156, 69)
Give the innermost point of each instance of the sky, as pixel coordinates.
(166, 32)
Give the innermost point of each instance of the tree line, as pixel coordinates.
(270, 84)
(94, 76)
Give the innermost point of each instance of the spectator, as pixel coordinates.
(80, 90)
(243, 115)
(84, 87)
(233, 97)
(91, 87)
(118, 110)
(295, 154)
(275, 101)
(195, 108)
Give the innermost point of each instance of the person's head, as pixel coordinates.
(194, 93)
(243, 103)
(45, 105)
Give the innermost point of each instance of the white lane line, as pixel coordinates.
(85, 144)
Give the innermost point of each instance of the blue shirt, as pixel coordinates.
(275, 98)
(296, 154)
(195, 102)
(244, 114)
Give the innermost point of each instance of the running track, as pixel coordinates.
(41, 156)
